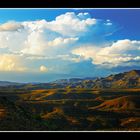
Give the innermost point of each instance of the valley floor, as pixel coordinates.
(70, 110)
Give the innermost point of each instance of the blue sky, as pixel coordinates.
(40, 45)
(128, 19)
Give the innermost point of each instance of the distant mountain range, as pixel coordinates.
(6, 83)
(73, 80)
(129, 79)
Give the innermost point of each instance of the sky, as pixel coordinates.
(42, 45)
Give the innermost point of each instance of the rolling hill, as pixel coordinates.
(129, 79)
(122, 103)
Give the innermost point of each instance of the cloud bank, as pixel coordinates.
(69, 38)
(121, 53)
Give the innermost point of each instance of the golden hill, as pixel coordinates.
(121, 103)
(3, 112)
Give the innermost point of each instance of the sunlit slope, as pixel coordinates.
(60, 94)
(121, 103)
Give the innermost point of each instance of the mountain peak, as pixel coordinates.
(133, 73)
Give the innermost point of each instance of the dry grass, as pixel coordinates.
(2, 113)
(130, 121)
(121, 103)
(56, 111)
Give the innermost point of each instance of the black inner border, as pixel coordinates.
(69, 4)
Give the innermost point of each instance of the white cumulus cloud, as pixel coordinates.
(120, 53)
(11, 63)
(70, 24)
(43, 68)
(10, 26)
(62, 41)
